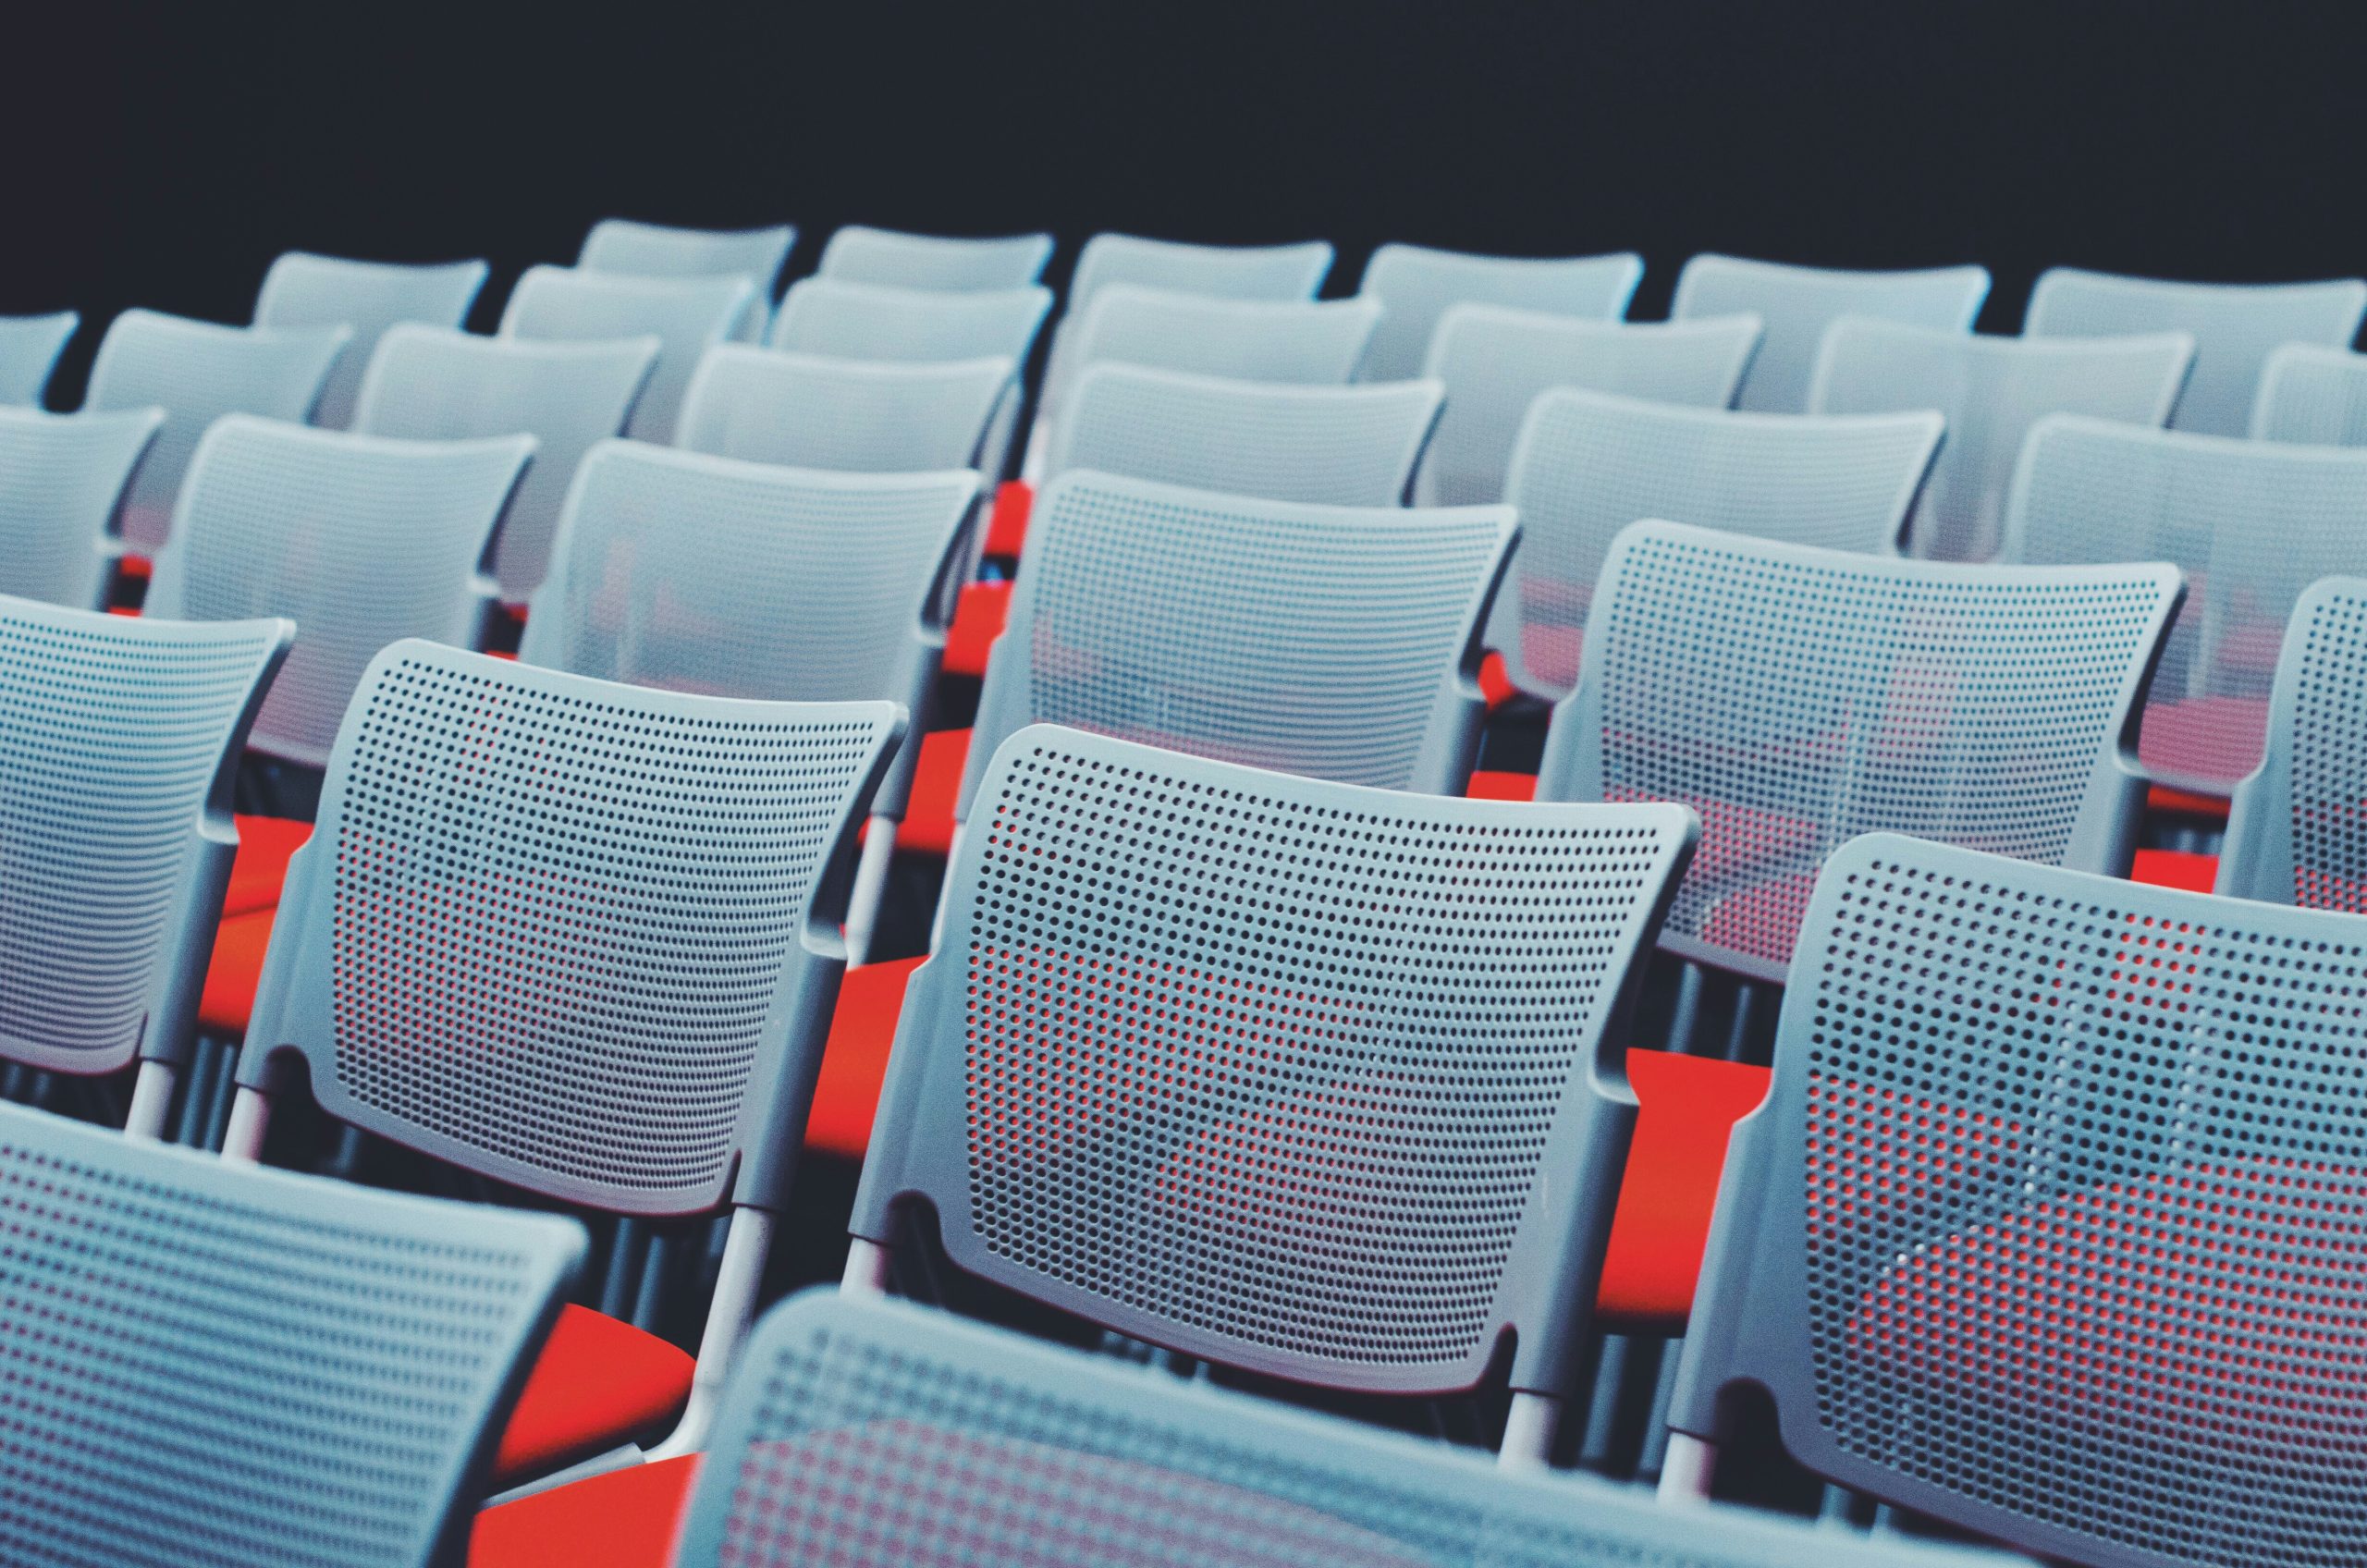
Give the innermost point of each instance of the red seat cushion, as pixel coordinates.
(2185, 802)
(623, 1519)
(1687, 1106)
(854, 1063)
(1006, 525)
(598, 1383)
(1495, 681)
(264, 844)
(1486, 785)
(979, 616)
(2175, 868)
(137, 567)
(230, 996)
(927, 827)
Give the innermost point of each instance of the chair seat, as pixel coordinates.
(264, 844)
(978, 618)
(927, 827)
(1007, 524)
(1496, 682)
(621, 1519)
(854, 1063)
(2185, 802)
(1687, 1107)
(2175, 868)
(599, 1382)
(1489, 785)
(228, 999)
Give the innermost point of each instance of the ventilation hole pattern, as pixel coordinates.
(60, 476)
(1296, 341)
(2328, 808)
(2314, 395)
(1797, 304)
(688, 315)
(861, 321)
(1417, 286)
(306, 290)
(769, 406)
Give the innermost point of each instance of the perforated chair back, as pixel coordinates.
(1496, 361)
(687, 316)
(219, 1364)
(870, 321)
(863, 416)
(1991, 390)
(1271, 1070)
(1230, 272)
(2235, 326)
(2313, 394)
(29, 346)
(61, 478)
(2251, 522)
(360, 540)
(425, 383)
(575, 935)
(118, 748)
(1336, 642)
(1587, 465)
(1417, 286)
(2047, 1225)
(1799, 697)
(656, 250)
(301, 290)
(1798, 303)
(1347, 445)
(947, 262)
(198, 370)
(706, 574)
(2297, 831)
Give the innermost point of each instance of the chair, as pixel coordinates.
(767, 405)
(425, 383)
(654, 250)
(361, 540)
(303, 290)
(2253, 524)
(2235, 326)
(29, 349)
(1229, 272)
(1586, 464)
(1991, 390)
(2046, 1228)
(61, 478)
(857, 254)
(215, 1366)
(197, 371)
(1495, 363)
(870, 321)
(732, 578)
(1417, 286)
(115, 840)
(687, 316)
(1798, 303)
(580, 939)
(2313, 394)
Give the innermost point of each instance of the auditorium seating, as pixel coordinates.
(62, 479)
(873, 321)
(29, 349)
(366, 297)
(857, 254)
(2313, 394)
(1795, 305)
(687, 316)
(1417, 286)
(871, 416)
(1231, 271)
(651, 250)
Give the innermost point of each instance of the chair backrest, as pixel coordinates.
(2297, 831)
(1799, 697)
(656, 250)
(425, 383)
(2313, 394)
(198, 370)
(952, 1440)
(687, 316)
(2235, 326)
(706, 574)
(863, 416)
(951, 263)
(2048, 1224)
(116, 756)
(872, 321)
(1798, 303)
(1231, 272)
(2251, 522)
(1495, 362)
(360, 540)
(1184, 1062)
(1991, 390)
(302, 290)
(213, 1363)
(1586, 464)
(1336, 642)
(29, 349)
(61, 478)
(1417, 285)
(576, 936)
(1347, 445)
(1294, 340)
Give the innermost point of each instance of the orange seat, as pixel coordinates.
(264, 844)
(1007, 524)
(979, 616)
(1496, 682)
(1687, 1106)
(229, 997)
(927, 827)
(139, 569)
(599, 1382)
(621, 1519)
(1491, 786)
(2175, 868)
(854, 1062)
(2185, 802)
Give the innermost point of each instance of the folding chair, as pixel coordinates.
(866, 416)
(429, 384)
(216, 1365)
(2047, 1227)
(857, 254)
(654, 249)
(1496, 361)
(2311, 394)
(870, 321)
(62, 479)
(1798, 303)
(2235, 326)
(1991, 390)
(1417, 286)
(29, 346)
(303, 290)
(580, 939)
(687, 316)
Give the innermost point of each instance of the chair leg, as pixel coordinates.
(1603, 1404)
(867, 1268)
(152, 1102)
(250, 1120)
(732, 1309)
(1687, 1470)
(1529, 1430)
(870, 887)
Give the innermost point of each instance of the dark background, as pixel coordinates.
(161, 155)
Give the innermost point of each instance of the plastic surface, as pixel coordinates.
(1588, 464)
(2235, 326)
(1272, 1069)
(29, 349)
(214, 1363)
(765, 405)
(1417, 285)
(1991, 390)
(687, 316)
(656, 249)
(867, 321)
(1230, 272)
(2047, 1226)
(2251, 522)
(118, 740)
(360, 540)
(576, 936)
(2297, 832)
(198, 370)
(1496, 362)
(2313, 394)
(1799, 697)
(1316, 343)
(62, 477)
(302, 290)
(945, 262)
(1797, 303)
